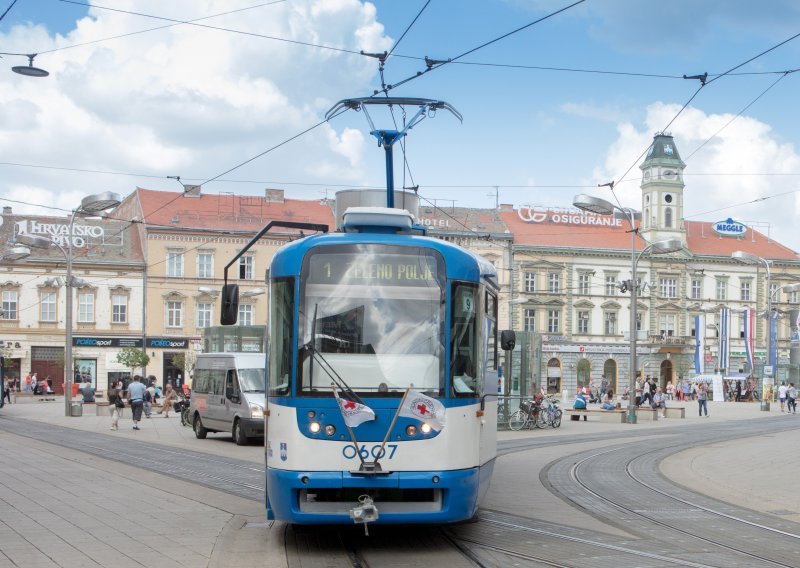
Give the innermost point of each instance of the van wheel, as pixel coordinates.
(200, 431)
(238, 434)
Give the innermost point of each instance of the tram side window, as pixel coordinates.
(464, 339)
(490, 343)
(281, 330)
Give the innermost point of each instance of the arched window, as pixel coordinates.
(584, 373)
(646, 217)
(610, 374)
(668, 217)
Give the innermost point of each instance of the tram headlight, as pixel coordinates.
(425, 428)
(330, 430)
(411, 430)
(314, 427)
(256, 411)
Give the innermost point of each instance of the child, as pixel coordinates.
(119, 404)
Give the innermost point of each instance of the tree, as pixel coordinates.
(185, 361)
(133, 358)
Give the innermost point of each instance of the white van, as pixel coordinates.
(228, 395)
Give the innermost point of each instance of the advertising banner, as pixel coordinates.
(749, 320)
(773, 341)
(699, 343)
(724, 338)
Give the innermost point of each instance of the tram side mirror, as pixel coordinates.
(229, 312)
(508, 339)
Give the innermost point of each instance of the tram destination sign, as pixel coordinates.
(383, 269)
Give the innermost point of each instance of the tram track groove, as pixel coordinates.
(598, 496)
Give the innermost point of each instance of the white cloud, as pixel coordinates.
(186, 100)
(742, 163)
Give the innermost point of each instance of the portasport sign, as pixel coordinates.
(729, 228)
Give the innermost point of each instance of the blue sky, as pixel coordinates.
(195, 102)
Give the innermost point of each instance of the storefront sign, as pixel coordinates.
(729, 228)
(59, 233)
(608, 349)
(167, 343)
(107, 342)
(566, 216)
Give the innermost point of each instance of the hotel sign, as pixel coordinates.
(729, 228)
(565, 216)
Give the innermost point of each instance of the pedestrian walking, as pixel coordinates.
(702, 400)
(687, 390)
(670, 391)
(149, 396)
(136, 392)
(782, 394)
(791, 399)
(6, 390)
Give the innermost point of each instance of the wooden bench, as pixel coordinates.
(675, 412)
(647, 413)
(575, 414)
(29, 396)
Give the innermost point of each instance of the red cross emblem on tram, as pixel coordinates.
(349, 405)
(423, 409)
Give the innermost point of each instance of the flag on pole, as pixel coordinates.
(422, 407)
(724, 339)
(749, 323)
(699, 343)
(773, 340)
(354, 413)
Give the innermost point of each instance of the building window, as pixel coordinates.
(666, 325)
(10, 305)
(697, 289)
(583, 322)
(529, 323)
(668, 217)
(584, 282)
(553, 323)
(610, 323)
(722, 289)
(86, 307)
(174, 314)
(774, 294)
(554, 282)
(246, 267)
(47, 302)
(669, 288)
(204, 315)
(245, 314)
(638, 321)
(793, 297)
(205, 264)
(744, 290)
(119, 308)
(611, 285)
(175, 263)
(530, 282)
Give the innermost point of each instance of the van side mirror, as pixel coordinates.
(508, 339)
(229, 312)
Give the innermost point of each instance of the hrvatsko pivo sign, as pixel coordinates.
(729, 228)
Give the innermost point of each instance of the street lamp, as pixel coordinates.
(252, 293)
(16, 253)
(603, 207)
(749, 258)
(90, 205)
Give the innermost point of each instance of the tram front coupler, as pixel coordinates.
(364, 513)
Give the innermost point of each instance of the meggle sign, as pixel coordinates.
(729, 228)
(566, 216)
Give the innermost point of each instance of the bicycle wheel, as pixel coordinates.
(557, 418)
(517, 420)
(541, 418)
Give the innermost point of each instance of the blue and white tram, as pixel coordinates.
(377, 311)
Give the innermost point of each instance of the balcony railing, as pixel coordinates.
(670, 339)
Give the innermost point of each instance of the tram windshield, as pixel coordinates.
(372, 317)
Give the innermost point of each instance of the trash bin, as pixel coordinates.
(76, 409)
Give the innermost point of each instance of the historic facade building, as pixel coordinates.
(108, 285)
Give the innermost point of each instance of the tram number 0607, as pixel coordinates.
(375, 452)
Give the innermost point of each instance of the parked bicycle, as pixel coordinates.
(550, 414)
(527, 416)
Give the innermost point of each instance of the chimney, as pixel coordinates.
(191, 190)
(6, 210)
(273, 195)
(506, 207)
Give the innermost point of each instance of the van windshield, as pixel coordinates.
(252, 380)
(372, 316)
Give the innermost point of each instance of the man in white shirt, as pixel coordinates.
(782, 393)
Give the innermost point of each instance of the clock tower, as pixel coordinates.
(662, 191)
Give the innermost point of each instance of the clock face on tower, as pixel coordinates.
(669, 174)
(646, 175)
